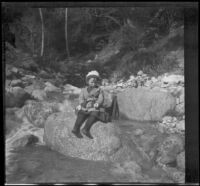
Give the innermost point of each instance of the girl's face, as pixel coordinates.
(92, 82)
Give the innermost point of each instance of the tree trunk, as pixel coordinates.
(42, 44)
(67, 47)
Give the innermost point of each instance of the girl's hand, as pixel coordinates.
(78, 107)
(96, 105)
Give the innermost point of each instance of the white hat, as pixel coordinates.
(93, 73)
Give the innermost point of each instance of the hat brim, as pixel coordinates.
(92, 76)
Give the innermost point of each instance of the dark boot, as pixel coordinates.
(77, 133)
(86, 129)
(79, 121)
(86, 133)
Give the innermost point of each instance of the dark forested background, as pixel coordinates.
(117, 41)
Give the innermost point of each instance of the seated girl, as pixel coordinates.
(90, 107)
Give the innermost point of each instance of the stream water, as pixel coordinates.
(39, 164)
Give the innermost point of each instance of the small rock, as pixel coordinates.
(177, 101)
(169, 149)
(15, 70)
(120, 85)
(29, 77)
(39, 94)
(17, 82)
(180, 108)
(132, 167)
(131, 77)
(172, 124)
(179, 177)
(173, 79)
(37, 112)
(180, 125)
(153, 79)
(148, 83)
(181, 160)
(138, 132)
(164, 85)
(159, 78)
(50, 88)
(44, 74)
(140, 73)
(167, 119)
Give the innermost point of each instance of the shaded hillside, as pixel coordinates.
(117, 42)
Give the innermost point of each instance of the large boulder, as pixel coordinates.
(16, 97)
(108, 144)
(144, 104)
(58, 136)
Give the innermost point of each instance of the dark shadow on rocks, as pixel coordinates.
(123, 117)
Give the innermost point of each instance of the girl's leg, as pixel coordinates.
(81, 117)
(86, 129)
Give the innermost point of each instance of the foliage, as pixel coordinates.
(90, 30)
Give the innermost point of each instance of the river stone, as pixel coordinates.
(173, 79)
(44, 74)
(132, 167)
(37, 112)
(142, 104)
(17, 83)
(181, 125)
(175, 174)
(138, 132)
(180, 108)
(181, 161)
(12, 122)
(16, 97)
(39, 94)
(170, 148)
(51, 88)
(58, 136)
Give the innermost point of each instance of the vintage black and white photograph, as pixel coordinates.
(94, 94)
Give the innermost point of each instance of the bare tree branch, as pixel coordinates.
(67, 47)
(42, 45)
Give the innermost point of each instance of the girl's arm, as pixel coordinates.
(82, 98)
(100, 98)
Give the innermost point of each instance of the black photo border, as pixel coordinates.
(191, 41)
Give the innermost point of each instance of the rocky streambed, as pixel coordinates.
(145, 145)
